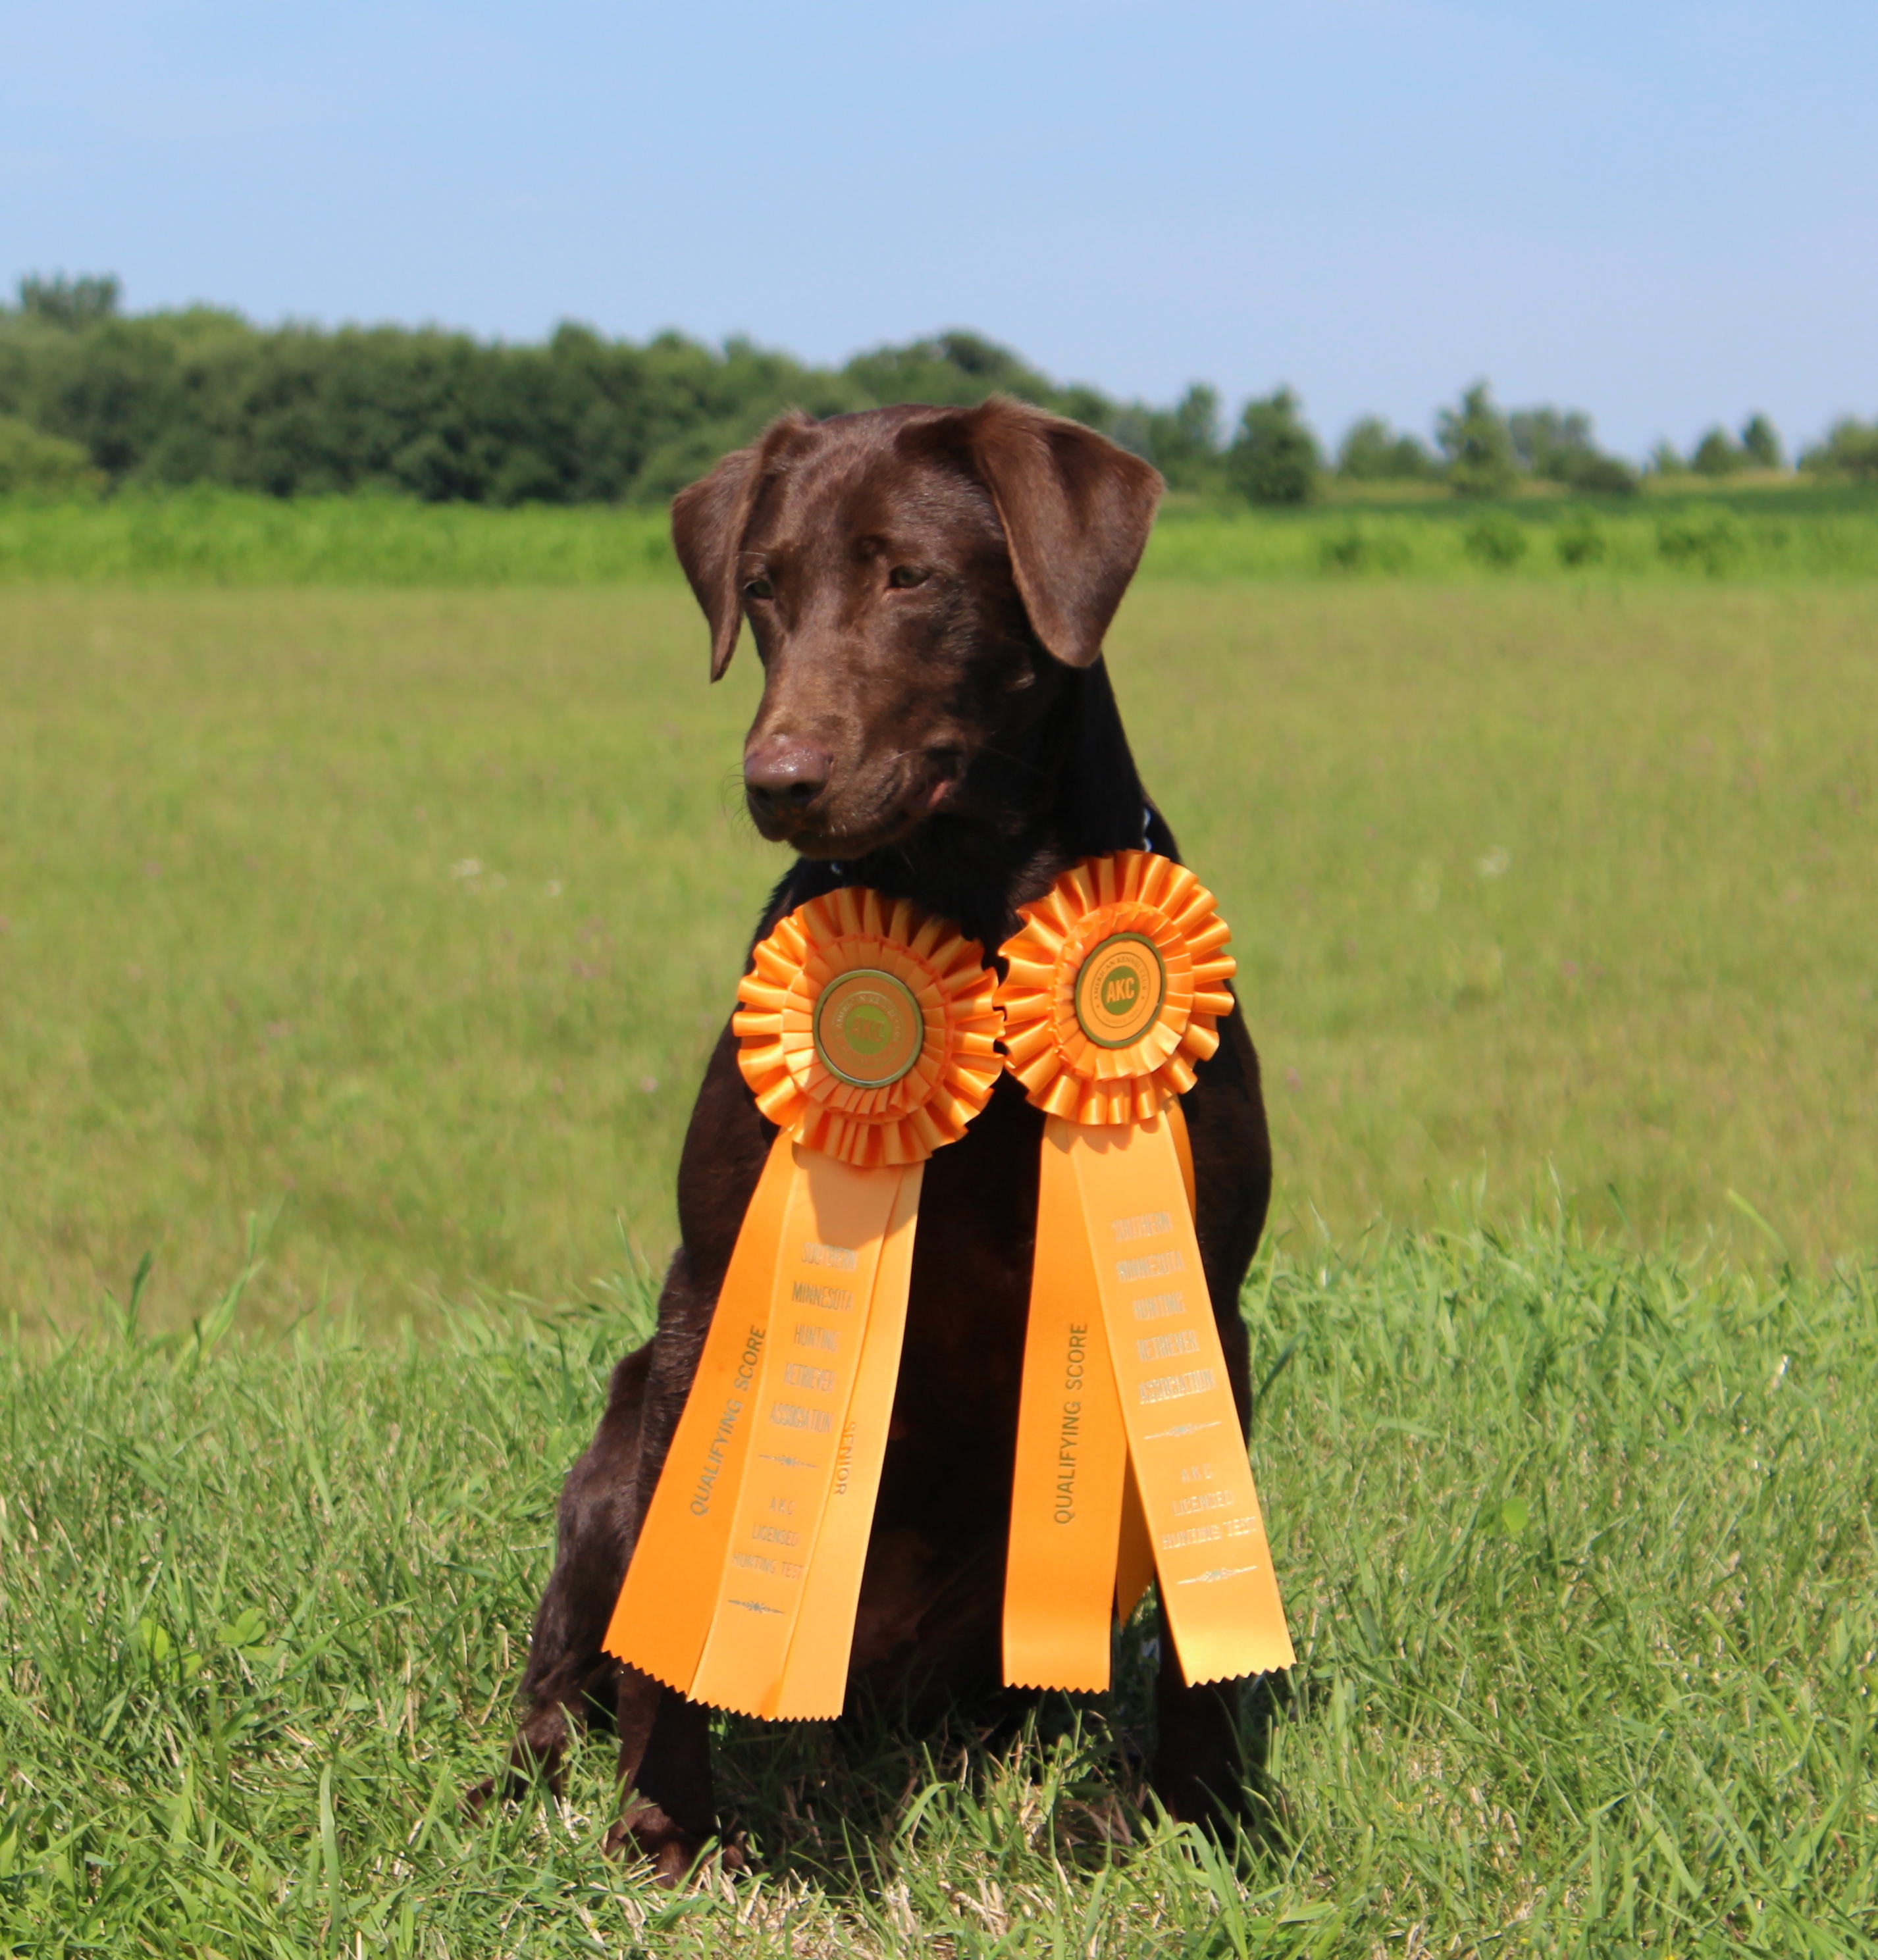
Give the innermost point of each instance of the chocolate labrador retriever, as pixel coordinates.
(928, 589)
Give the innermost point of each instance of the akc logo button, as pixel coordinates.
(869, 1030)
(1119, 990)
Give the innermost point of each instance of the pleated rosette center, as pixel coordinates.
(868, 1028)
(1116, 986)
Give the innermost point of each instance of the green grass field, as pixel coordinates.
(1682, 532)
(366, 945)
(406, 920)
(1578, 1550)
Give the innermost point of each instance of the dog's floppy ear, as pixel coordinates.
(709, 520)
(1077, 511)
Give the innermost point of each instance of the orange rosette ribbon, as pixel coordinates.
(1116, 985)
(1131, 1462)
(868, 1033)
(822, 1048)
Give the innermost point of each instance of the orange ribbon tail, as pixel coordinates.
(1131, 1462)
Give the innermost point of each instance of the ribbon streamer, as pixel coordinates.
(1130, 1458)
(868, 1034)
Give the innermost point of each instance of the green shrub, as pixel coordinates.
(1496, 538)
(1275, 458)
(1547, 441)
(1371, 452)
(1556, 444)
(1354, 548)
(1580, 540)
(35, 465)
(1593, 474)
(1851, 449)
(1716, 456)
(1701, 534)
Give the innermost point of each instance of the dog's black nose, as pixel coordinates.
(782, 778)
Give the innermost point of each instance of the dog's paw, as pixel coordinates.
(674, 1854)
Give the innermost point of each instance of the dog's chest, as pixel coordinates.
(955, 1412)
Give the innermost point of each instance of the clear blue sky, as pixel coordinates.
(1665, 214)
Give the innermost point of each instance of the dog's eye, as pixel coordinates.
(906, 576)
(758, 588)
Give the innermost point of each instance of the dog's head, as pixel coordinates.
(915, 579)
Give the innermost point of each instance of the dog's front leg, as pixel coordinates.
(664, 1766)
(1199, 1771)
(670, 1811)
(1212, 1758)
(670, 1814)
(568, 1678)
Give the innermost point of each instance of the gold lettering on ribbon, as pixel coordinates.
(1071, 1461)
(793, 1415)
(844, 1259)
(831, 1299)
(1226, 1620)
(1170, 1387)
(839, 1216)
(660, 1623)
(1204, 1501)
(1194, 1535)
(1160, 1305)
(1154, 1266)
(1165, 1346)
(815, 1680)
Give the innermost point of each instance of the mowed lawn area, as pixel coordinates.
(404, 921)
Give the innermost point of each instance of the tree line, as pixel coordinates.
(93, 397)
